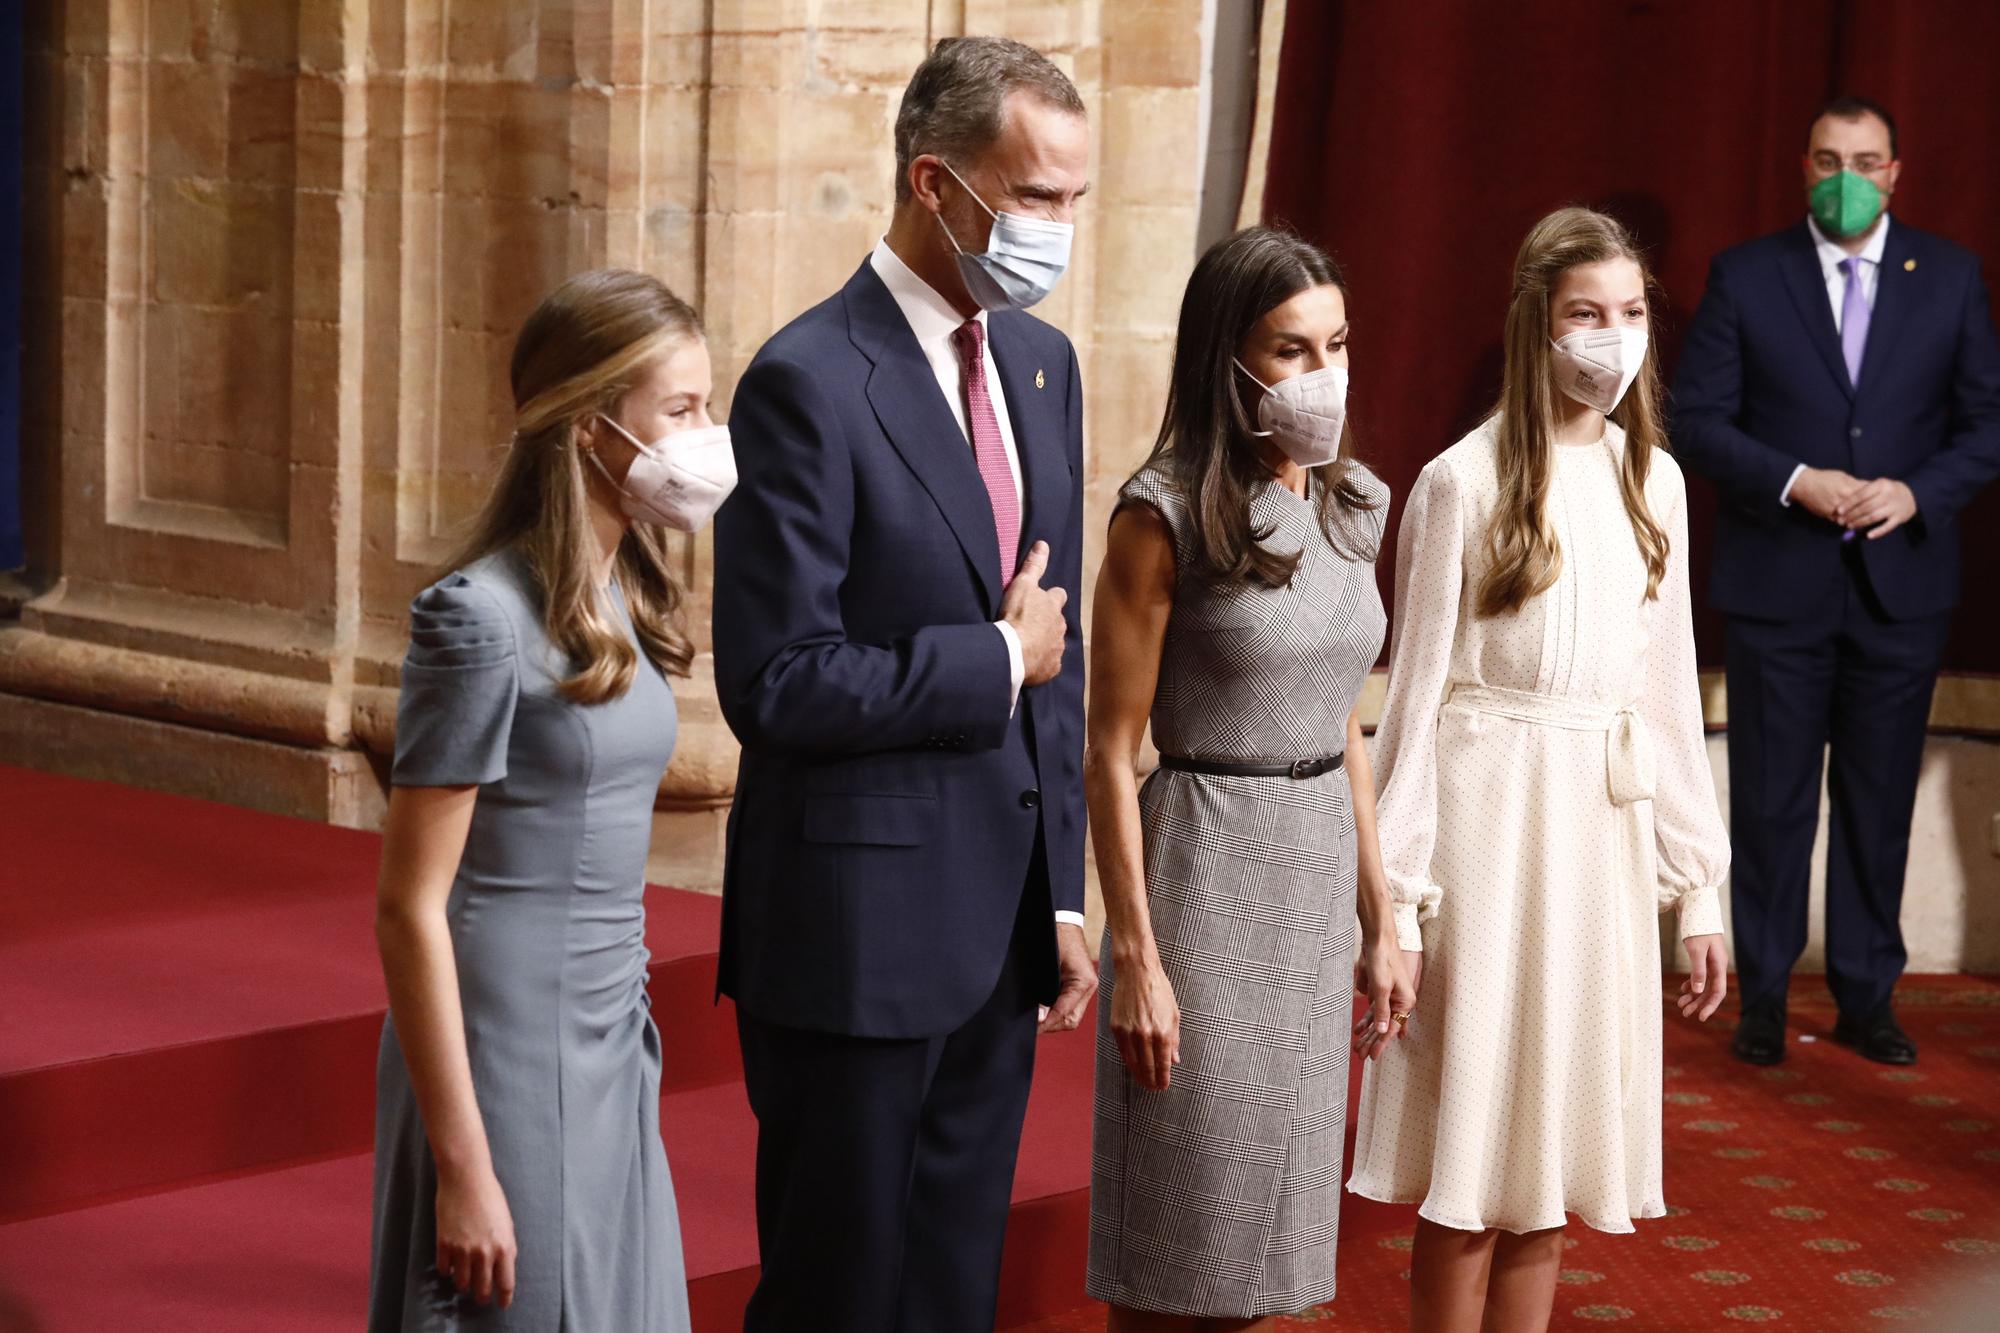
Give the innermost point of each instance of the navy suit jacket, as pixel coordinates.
(890, 811)
(1762, 387)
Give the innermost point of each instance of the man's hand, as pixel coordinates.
(1036, 613)
(1879, 506)
(1079, 974)
(1824, 490)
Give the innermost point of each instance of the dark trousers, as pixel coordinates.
(885, 1167)
(1857, 689)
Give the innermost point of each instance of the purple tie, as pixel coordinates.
(989, 451)
(1853, 319)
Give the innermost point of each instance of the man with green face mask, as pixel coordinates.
(1841, 386)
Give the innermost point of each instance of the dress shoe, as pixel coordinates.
(1877, 1036)
(1760, 1033)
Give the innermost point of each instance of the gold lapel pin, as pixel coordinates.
(1909, 266)
(1039, 381)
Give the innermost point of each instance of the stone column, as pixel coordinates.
(290, 246)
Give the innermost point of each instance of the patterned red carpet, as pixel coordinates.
(1827, 1194)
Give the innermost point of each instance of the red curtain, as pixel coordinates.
(1418, 141)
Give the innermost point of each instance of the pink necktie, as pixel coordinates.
(969, 340)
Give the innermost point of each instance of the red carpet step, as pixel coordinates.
(187, 1078)
(193, 989)
(288, 1249)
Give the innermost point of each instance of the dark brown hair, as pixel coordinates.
(955, 102)
(1848, 107)
(1207, 442)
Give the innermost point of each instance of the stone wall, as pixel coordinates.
(282, 252)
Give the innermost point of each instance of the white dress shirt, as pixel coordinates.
(933, 320)
(1831, 257)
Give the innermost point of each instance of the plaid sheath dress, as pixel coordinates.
(1221, 1195)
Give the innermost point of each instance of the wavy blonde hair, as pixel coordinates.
(1526, 557)
(585, 347)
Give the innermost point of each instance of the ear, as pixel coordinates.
(1894, 174)
(926, 174)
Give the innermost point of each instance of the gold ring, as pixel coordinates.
(1401, 1019)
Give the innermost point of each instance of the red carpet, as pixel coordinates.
(1828, 1194)
(192, 1004)
(187, 1063)
(191, 988)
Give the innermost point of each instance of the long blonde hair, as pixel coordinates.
(584, 347)
(1526, 557)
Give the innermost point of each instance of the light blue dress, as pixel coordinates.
(548, 928)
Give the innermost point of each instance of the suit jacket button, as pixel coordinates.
(1030, 799)
(1854, 432)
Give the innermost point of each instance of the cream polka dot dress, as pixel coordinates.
(1545, 791)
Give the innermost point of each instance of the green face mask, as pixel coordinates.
(1845, 204)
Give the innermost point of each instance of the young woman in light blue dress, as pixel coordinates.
(520, 1179)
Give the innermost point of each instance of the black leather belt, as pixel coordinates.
(1298, 770)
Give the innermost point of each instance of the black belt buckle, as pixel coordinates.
(1307, 768)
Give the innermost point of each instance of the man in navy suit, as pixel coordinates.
(1841, 386)
(905, 863)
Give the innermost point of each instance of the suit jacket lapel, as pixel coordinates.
(1807, 283)
(1038, 428)
(919, 423)
(1895, 289)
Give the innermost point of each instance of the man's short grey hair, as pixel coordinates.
(954, 105)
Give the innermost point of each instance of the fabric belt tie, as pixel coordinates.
(1630, 770)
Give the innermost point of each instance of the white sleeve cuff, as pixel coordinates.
(1017, 666)
(1785, 496)
(1070, 919)
(1700, 912)
(1408, 937)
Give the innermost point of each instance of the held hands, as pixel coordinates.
(1824, 490)
(1879, 507)
(1146, 1019)
(1708, 977)
(1036, 613)
(1079, 980)
(1387, 977)
(475, 1236)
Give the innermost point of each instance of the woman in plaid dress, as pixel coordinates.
(1237, 610)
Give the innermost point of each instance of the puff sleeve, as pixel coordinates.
(460, 684)
(1692, 842)
(1430, 562)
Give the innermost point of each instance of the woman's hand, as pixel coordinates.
(1147, 1022)
(1384, 976)
(475, 1236)
(1708, 977)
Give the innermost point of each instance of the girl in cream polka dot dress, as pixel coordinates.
(1545, 791)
